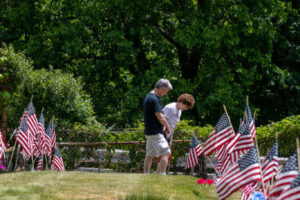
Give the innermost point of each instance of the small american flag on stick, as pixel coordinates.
(194, 153)
(24, 138)
(286, 176)
(57, 162)
(244, 172)
(222, 133)
(293, 191)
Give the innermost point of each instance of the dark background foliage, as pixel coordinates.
(219, 51)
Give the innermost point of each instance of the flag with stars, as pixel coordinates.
(24, 138)
(250, 121)
(293, 191)
(286, 176)
(222, 133)
(57, 162)
(40, 138)
(244, 172)
(195, 152)
(32, 121)
(270, 163)
(48, 149)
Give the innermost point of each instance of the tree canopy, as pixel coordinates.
(219, 51)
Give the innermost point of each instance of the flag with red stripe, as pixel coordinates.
(222, 133)
(40, 138)
(39, 166)
(3, 145)
(286, 176)
(24, 138)
(53, 135)
(32, 119)
(48, 149)
(57, 162)
(194, 153)
(244, 172)
(270, 163)
(293, 191)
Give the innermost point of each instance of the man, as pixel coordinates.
(155, 125)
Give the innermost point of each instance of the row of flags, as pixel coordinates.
(238, 164)
(35, 140)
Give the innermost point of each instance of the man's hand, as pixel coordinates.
(161, 118)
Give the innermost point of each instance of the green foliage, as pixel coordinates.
(60, 94)
(219, 51)
(288, 130)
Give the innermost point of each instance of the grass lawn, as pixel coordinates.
(82, 185)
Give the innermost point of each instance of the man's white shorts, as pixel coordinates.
(157, 145)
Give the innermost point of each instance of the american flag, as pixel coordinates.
(195, 152)
(47, 148)
(53, 135)
(57, 162)
(31, 119)
(244, 172)
(24, 115)
(293, 191)
(270, 163)
(243, 139)
(247, 191)
(3, 145)
(39, 166)
(286, 176)
(39, 150)
(221, 134)
(224, 160)
(250, 121)
(24, 138)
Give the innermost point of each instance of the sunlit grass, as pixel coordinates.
(81, 185)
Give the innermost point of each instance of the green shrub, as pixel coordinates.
(288, 129)
(60, 94)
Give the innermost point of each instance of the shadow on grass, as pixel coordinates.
(144, 197)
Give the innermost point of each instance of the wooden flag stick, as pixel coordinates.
(42, 109)
(262, 179)
(208, 158)
(225, 110)
(298, 152)
(10, 160)
(272, 180)
(245, 114)
(247, 100)
(17, 155)
(31, 98)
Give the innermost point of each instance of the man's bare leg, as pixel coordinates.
(162, 165)
(147, 164)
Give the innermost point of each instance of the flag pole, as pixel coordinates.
(8, 167)
(272, 180)
(262, 179)
(298, 152)
(208, 157)
(247, 100)
(17, 156)
(225, 110)
(31, 98)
